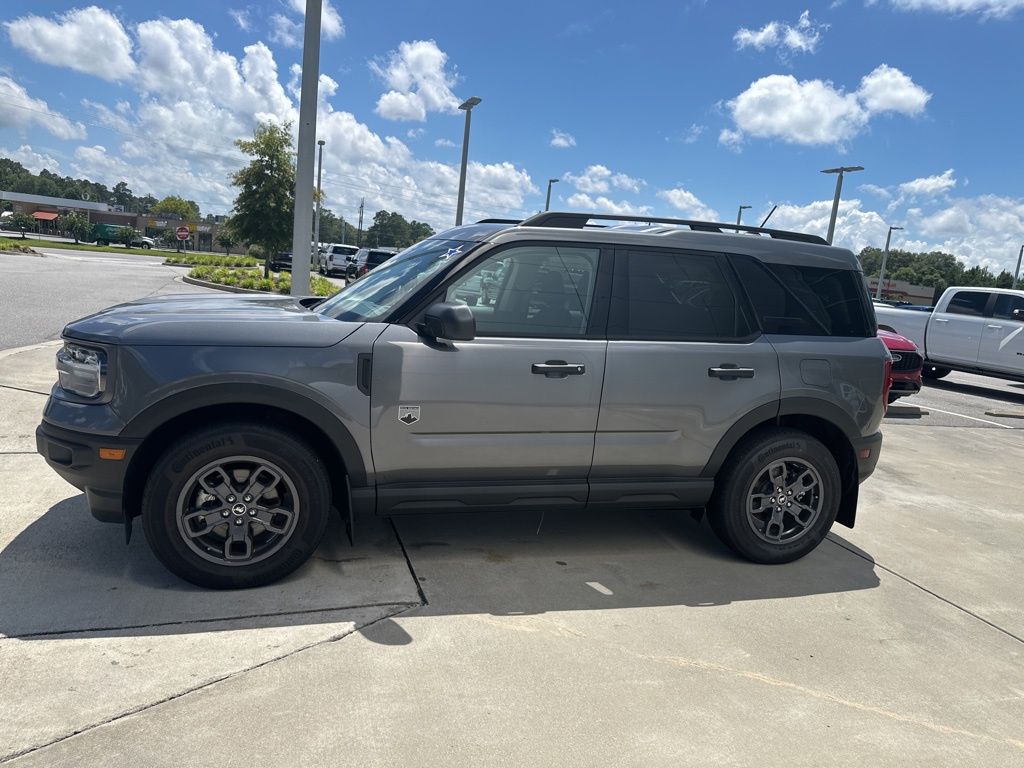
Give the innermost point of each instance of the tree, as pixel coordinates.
(125, 235)
(186, 209)
(22, 222)
(391, 230)
(265, 206)
(225, 241)
(74, 224)
(122, 196)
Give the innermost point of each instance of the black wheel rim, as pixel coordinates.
(784, 500)
(237, 511)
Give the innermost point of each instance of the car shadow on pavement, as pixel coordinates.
(67, 574)
(973, 389)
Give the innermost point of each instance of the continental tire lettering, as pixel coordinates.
(780, 448)
(185, 458)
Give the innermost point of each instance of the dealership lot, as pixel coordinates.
(512, 639)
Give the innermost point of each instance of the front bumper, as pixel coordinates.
(75, 456)
(866, 449)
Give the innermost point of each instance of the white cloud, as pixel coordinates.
(815, 112)
(693, 133)
(929, 186)
(444, 143)
(331, 25)
(21, 111)
(989, 9)
(241, 18)
(855, 227)
(561, 139)
(602, 204)
(415, 133)
(89, 40)
(874, 189)
(32, 160)
(985, 230)
(419, 81)
(285, 31)
(802, 37)
(691, 206)
(598, 178)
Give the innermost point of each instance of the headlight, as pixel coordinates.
(82, 370)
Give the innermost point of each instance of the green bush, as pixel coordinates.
(192, 259)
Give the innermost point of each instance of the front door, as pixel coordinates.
(954, 336)
(507, 419)
(1002, 341)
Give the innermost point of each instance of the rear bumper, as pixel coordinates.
(866, 449)
(75, 457)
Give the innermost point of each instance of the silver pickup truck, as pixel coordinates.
(977, 330)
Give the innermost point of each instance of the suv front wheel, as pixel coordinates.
(777, 497)
(236, 505)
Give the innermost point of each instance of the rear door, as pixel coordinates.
(954, 335)
(684, 363)
(1002, 339)
(507, 419)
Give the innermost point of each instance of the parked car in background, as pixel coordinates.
(282, 262)
(976, 330)
(139, 241)
(336, 258)
(906, 365)
(366, 260)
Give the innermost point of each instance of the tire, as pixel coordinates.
(249, 543)
(935, 372)
(741, 487)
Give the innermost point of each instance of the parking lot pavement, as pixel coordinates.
(556, 639)
(963, 399)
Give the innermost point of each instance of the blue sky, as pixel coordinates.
(683, 108)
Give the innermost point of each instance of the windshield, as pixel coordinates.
(375, 295)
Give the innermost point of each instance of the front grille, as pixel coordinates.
(908, 361)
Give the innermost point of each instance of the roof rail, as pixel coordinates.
(579, 221)
(499, 221)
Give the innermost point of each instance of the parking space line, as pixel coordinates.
(972, 418)
(599, 587)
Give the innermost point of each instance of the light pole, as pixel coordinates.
(547, 203)
(885, 258)
(839, 191)
(1017, 270)
(319, 194)
(467, 107)
(739, 213)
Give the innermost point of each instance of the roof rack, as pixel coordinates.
(579, 221)
(499, 221)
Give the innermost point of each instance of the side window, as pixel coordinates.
(1006, 304)
(531, 291)
(799, 300)
(681, 296)
(968, 303)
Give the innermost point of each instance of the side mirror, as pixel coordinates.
(448, 321)
(1018, 314)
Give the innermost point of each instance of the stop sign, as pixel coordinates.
(182, 233)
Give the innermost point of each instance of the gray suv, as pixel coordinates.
(545, 364)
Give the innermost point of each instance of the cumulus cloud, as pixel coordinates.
(599, 178)
(21, 111)
(561, 139)
(444, 143)
(241, 18)
(30, 159)
(855, 226)
(285, 31)
(929, 186)
(802, 37)
(602, 204)
(687, 203)
(331, 25)
(815, 112)
(987, 9)
(89, 40)
(419, 81)
(874, 189)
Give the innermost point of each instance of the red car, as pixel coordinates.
(906, 365)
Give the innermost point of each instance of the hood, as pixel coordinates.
(895, 341)
(238, 320)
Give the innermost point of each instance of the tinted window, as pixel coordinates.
(806, 301)
(661, 295)
(532, 291)
(377, 258)
(968, 303)
(1006, 304)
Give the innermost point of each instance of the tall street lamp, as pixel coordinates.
(319, 195)
(547, 203)
(467, 107)
(839, 191)
(1017, 270)
(739, 213)
(885, 258)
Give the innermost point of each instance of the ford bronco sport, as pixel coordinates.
(652, 363)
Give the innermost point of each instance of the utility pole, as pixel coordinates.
(303, 220)
(342, 230)
(319, 195)
(359, 232)
(885, 258)
(1016, 272)
(739, 213)
(839, 191)
(467, 107)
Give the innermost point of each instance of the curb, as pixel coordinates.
(228, 288)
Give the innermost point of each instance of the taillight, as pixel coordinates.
(887, 384)
(363, 270)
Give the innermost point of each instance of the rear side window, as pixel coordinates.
(968, 303)
(798, 300)
(675, 296)
(1006, 304)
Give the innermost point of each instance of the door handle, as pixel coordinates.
(994, 327)
(558, 369)
(730, 372)
(940, 320)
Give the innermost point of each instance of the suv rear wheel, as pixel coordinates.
(777, 497)
(236, 505)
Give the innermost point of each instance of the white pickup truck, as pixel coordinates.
(977, 330)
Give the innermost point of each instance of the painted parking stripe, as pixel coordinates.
(972, 418)
(599, 587)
